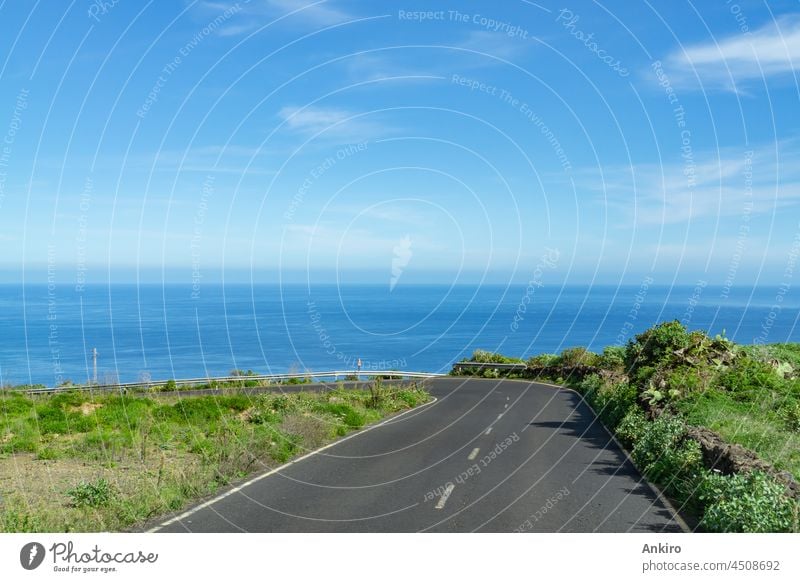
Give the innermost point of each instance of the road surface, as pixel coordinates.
(487, 455)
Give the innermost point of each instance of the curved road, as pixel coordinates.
(487, 455)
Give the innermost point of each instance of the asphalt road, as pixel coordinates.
(487, 455)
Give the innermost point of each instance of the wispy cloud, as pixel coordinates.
(256, 13)
(723, 184)
(332, 123)
(495, 44)
(735, 62)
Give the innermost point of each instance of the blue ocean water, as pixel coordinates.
(160, 332)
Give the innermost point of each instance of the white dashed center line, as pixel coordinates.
(473, 454)
(445, 495)
(488, 430)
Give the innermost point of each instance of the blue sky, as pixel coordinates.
(339, 140)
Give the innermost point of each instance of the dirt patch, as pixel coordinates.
(87, 408)
(729, 459)
(314, 431)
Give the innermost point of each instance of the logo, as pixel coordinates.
(32, 555)
(402, 256)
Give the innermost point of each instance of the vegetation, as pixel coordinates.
(73, 462)
(650, 392)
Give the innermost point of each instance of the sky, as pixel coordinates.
(360, 141)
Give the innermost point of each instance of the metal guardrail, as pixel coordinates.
(490, 366)
(230, 379)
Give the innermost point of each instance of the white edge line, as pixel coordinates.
(653, 487)
(488, 430)
(238, 488)
(445, 495)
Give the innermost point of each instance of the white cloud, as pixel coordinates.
(332, 123)
(737, 61)
(256, 13)
(723, 185)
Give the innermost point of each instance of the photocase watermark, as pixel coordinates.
(20, 105)
(32, 555)
(177, 60)
(524, 108)
(84, 204)
(549, 260)
(52, 316)
(348, 360)
(693, 301)
(679, 114)
(98, 8)
(485, 22)
(402, 257)
(317, 172)
(744, 226)
(633, 312)
(69, 560)
(738, 14)
(197, 234)
(783, 289)
(551, 502)
(569, 21)
(474, 469)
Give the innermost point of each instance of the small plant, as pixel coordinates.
(572, 357)
(170, 386)
(96, 494)
(377, 394)
(750, 503)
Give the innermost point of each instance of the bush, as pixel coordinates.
(749, 377)
(750, 503)
(666, 432)
(612, 358)
(542, 360)
(485, 357)
(572, 357)
(655, 347)
(97, 494)
(632, 427)
(683, 381)
(170, 386)
(611, 400)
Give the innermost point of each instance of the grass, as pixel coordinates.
(72, 462)
(754, 424)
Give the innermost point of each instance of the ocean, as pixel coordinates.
(159, 332)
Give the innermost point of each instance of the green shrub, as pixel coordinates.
(486, 357)
(170, 386)
(572, 357)
(611, 400)
(751, 503)
(612, 358)
(632, 427)
(85, 494)
(655, 347)
(666, 432)
(748, 378)
(542, 360)
(350, 416)
(790, 414)
(51, 419)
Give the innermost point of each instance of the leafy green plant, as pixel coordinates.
(612, 358)
(751, 503)
(91, 494)
(572, 357)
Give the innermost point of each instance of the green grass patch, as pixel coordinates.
(110, 462)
